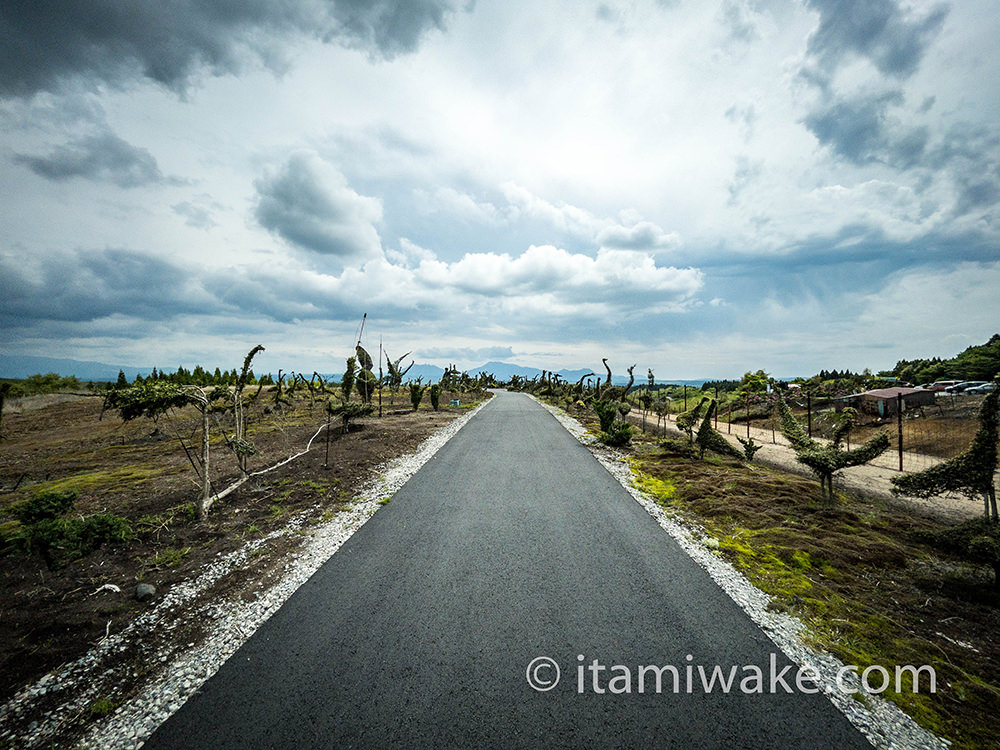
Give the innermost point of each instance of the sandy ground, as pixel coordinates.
(873, 480)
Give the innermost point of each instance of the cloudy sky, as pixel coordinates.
(702, 188)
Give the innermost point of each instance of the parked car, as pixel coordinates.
(981, 389)
(962, 387)
(941, 385)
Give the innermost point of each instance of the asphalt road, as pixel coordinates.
(512, 543)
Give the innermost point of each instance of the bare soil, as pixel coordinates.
(140, 471)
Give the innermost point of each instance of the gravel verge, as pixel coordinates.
(188, 661)
(882, 722)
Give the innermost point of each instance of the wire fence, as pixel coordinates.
(920, 436)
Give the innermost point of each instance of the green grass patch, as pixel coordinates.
(861, 576)
(170, 557)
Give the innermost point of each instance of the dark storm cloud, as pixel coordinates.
(309, 204)
(45, 42)
(89, 285)
(862, 131)
(876, 29)
(102, 156)
(388, 27)
(879, 30)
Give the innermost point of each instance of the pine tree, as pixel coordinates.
(969, 473)
(826, 460)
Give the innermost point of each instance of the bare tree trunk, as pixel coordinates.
(206, 484)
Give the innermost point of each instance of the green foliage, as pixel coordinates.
(975, 363)
(755, 382)
(44, 506)
(149, 398)
(620, 434)
(607, 413)
(101, 707)
(34, 385)
(416, 394)
(750, 448)
(614, 430)
(826, 460)
(710, 439)
(347, 382)
(364, 358)
(367, 383)
(978, 541)
(969, 473)
(349, 411)
(59, 540)
(396, 373)
(435, 394)
(686, 420)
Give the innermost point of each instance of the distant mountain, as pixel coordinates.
(15, 366)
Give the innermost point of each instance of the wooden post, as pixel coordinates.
(748, 415)
(809, 415)
(899, 426)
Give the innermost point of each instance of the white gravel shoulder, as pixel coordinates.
(229, 624)
(883, 723)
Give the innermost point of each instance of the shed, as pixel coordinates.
(883, 401)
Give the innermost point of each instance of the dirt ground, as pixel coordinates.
(141, 471)
(871, 480)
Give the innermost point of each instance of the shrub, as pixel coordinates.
(416, 394)
(60, 540)
(435, 393)
(619, 435)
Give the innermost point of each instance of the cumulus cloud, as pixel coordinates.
(45, 43)
(882, 31)
(563, 216)
(100, 156)
(641, 236)
(309, 204)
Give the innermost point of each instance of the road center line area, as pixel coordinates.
(512, 594)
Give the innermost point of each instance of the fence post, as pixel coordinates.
(685, 398)
(729, 420)
(809, 414)
(748, 415)
(717, 407)
(899, 426)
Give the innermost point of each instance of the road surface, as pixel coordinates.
(511, 544)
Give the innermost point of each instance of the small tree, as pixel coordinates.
(826, 460)
(686, 420)
(366, 380)
(242, 447)
(347, 382)
(750, 448)
(969, 473)
(711, 439)
(416, 393)
(435, 394)
(349, 411)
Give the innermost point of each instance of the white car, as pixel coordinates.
(980, 389)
